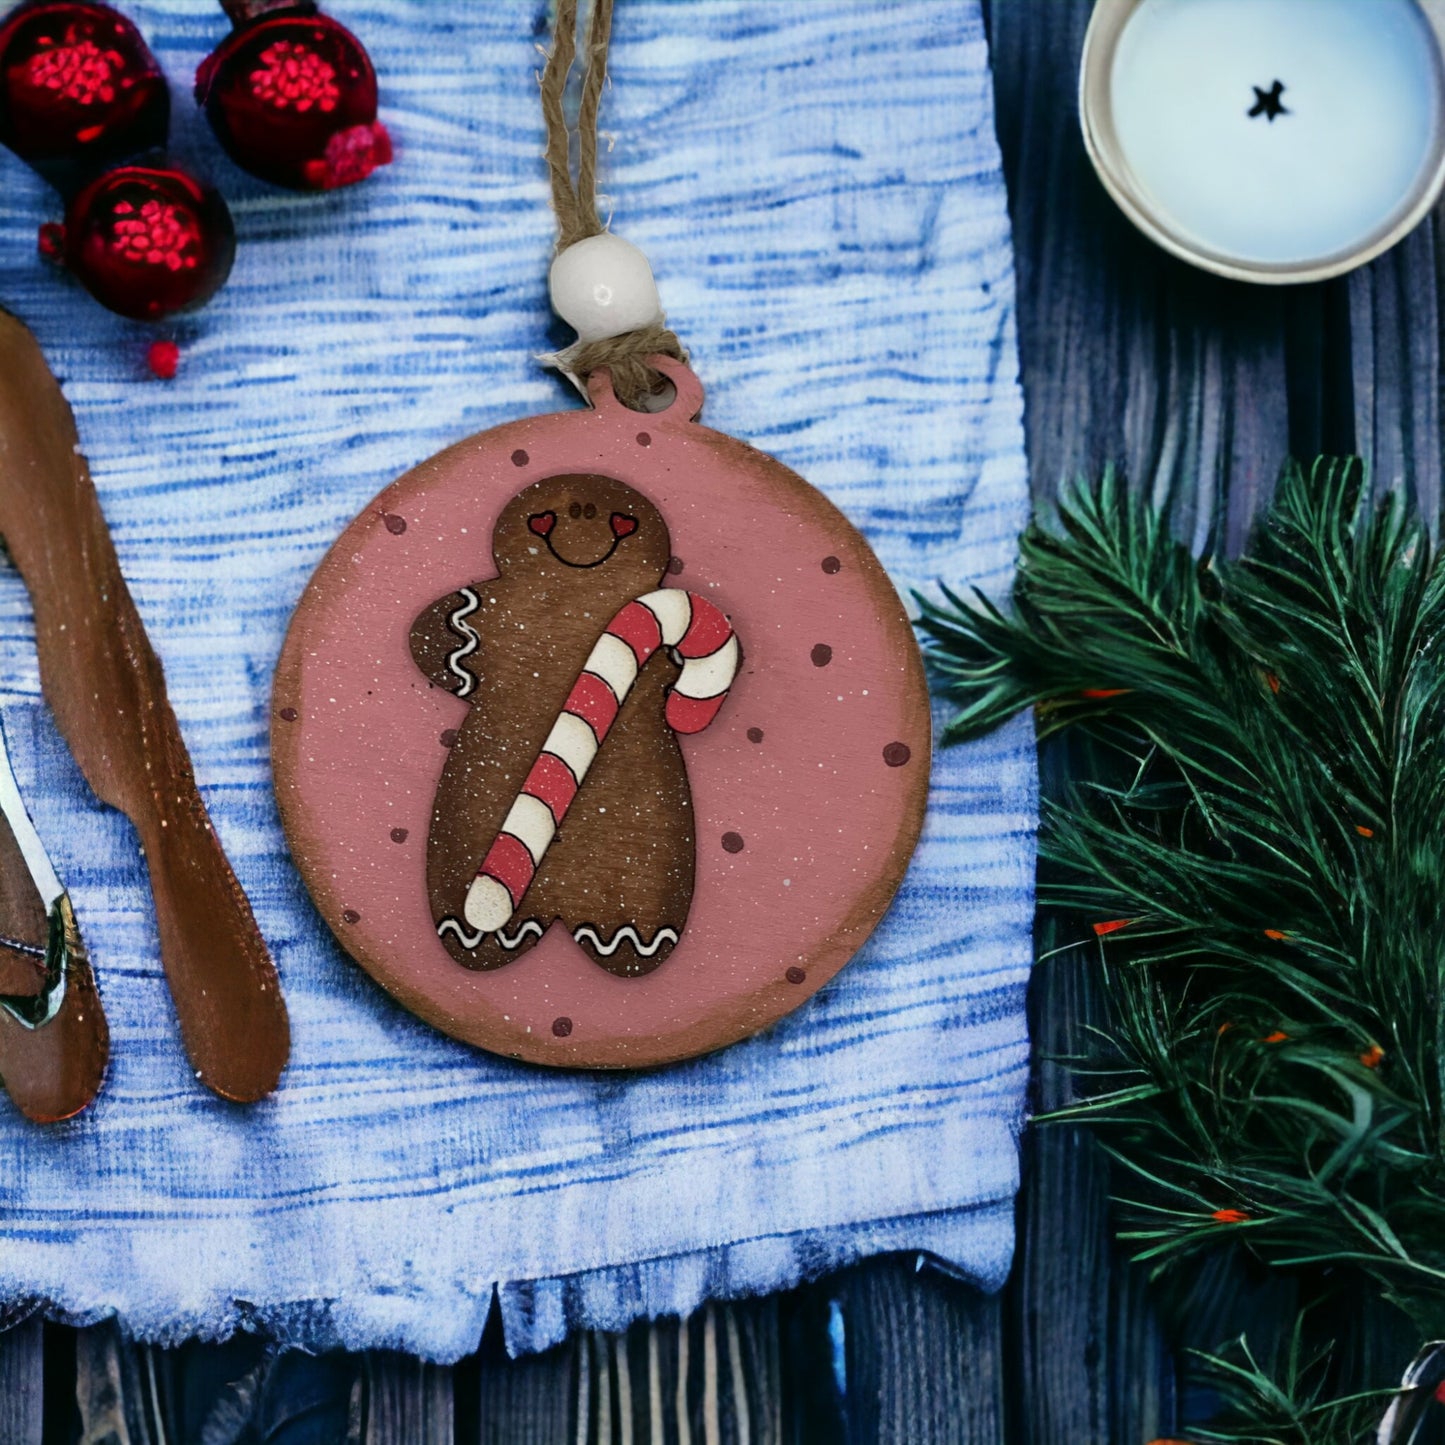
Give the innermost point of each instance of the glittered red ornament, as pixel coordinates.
(145, 241)
(78, 88)
(292, 98)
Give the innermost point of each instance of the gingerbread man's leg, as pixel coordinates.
(627, 950)
(485, 951)
(621, 876)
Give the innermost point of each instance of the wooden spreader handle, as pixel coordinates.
(105, 685)
(53, 1054)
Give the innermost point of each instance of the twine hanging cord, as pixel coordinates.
(576, 203)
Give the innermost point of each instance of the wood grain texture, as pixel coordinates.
(1129, 357)
(922, 1357)
(1395, 312)
(716, 1378)
(22, 1384)
(408, 1402)
(116, 1407)
(526, 1401)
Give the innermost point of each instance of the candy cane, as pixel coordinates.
(708, 647)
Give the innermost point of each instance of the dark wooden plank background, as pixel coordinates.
(1198, 388)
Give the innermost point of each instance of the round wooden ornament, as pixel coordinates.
(601, 739)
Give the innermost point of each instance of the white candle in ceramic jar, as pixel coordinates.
(1271, 134)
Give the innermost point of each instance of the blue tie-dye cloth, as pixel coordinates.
(818, 188)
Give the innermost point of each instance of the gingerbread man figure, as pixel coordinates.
(565, 795)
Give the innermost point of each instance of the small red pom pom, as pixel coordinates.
(146, 241)
(78, 88)
(351, 156)
(163, 358)
(51, 241)
(292, 98)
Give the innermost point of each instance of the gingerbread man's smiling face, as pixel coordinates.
(582, 522)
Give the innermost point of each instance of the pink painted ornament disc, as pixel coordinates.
(808, 789)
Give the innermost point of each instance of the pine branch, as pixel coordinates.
(1258, 847)
(1287, 1406)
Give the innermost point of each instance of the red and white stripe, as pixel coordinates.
(705, 642)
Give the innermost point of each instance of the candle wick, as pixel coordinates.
(1268, 103)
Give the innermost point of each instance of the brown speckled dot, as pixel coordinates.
(755, 735)
(796, 975)
(674, 565)
(644, 439)
(732, 842)
(832, 566)
(288, 714)
(822, 655)
(394, 524)
(449, 737)
(351, 916)
(399, 835)
(562, 1026)
(896, 754)
(520, 458)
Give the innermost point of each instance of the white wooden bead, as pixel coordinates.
(603, 287)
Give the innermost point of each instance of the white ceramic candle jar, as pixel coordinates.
(1268, 140)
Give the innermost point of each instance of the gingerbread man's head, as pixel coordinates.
(583, 523)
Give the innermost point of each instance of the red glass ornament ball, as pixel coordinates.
(145, 241)
(292, 98)
(78, 87)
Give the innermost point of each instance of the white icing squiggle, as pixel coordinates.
(471, 940)
(471, 641)
(663, 935)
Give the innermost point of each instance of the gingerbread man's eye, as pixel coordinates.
(623, 526)
(575, 510)
(542, 523)
(589, 511)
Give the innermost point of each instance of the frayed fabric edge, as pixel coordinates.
(974, 1245)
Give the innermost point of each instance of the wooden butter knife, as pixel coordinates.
(105, 686)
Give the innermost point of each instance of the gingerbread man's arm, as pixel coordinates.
(445, 642)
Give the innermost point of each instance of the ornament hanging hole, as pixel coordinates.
(680, 398)
(656, 402)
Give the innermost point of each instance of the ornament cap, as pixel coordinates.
(243, 12)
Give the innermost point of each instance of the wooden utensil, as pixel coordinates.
(106, 688)
(54, 1042)
(54, 1049)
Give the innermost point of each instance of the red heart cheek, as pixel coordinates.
(623, 526)
(542, 523)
